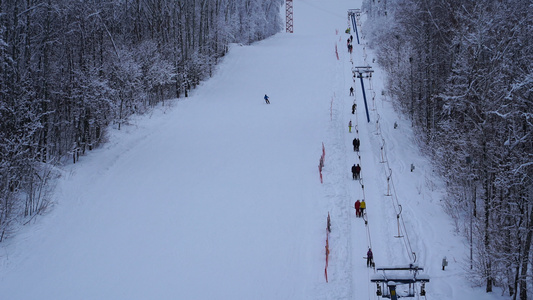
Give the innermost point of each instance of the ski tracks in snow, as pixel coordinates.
(349, 239)
(337, 192)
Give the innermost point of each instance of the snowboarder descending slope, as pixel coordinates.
(266, 99)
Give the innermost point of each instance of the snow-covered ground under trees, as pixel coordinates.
(218, 196)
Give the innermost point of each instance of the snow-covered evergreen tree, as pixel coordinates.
(461, 70)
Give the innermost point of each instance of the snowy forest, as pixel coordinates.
(69, 69)
(462, 72)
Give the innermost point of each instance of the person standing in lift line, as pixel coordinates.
(354, 172)
(266, 99)
(369, 258)
(357, 206)
(357, 170)
(356, 144)
(362, 208)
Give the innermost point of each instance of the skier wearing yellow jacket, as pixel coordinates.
(362, 207)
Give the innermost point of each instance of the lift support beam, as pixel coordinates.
(392, 280)
(352, 13)
(358, 72)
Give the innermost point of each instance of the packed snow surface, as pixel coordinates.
(218, 196)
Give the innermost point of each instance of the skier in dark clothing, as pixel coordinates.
(354, 172)
(369, 258)
(351, 91)
(351, 38)
(266, 99)
(356, 144)
(357, 171)
(354, 106)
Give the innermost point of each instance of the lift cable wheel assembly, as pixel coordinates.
(398, 221)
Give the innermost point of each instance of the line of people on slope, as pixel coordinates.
(349, 44)
(359, 206)
(356, 169)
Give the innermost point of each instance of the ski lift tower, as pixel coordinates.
(360, 72)
(288, 13)
(399, 275)
(354, 14)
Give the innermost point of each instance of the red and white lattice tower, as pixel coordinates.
(288, 10)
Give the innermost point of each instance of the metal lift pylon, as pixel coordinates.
(352, 14)
(358, 72)
(289, 16)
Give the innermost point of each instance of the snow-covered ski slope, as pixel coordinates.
(218, 196)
